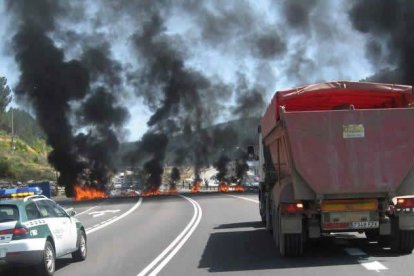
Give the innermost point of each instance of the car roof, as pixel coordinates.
(21, 201)
(14, 201)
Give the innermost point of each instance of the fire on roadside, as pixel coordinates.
(239, 188)
(223, 187)
(88, 193)
(152, 191)
(196, 187)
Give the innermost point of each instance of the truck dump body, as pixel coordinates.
(337, 157)
(336, 95)
(352, 151)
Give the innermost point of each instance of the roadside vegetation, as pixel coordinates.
(23, 157)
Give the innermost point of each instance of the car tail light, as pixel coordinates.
(6, 232)
(291, 207)
(19, 231)
(405, 203)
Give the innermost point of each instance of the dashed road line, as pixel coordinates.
(113, 219)
(81, 213)
(364, 261)
(373, 265)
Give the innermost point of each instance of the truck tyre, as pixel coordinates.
(406, 241)
(290, 245)
(293, 245)
(268, 215)
(402, 241)
(262, 210)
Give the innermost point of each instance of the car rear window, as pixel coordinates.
(8, 213)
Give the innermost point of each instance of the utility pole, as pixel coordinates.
(12, 127)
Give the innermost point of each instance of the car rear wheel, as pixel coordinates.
(82, 251)
(47, 266)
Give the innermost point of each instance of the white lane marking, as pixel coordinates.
(245, 198)
(114, 219)
(367, 264)
(375, 265)
(176, 244)
(182, 242)
(103, 212)
(355, 252)
(86, 211)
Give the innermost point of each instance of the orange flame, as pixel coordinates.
(87, 193)
(223, 187)
(152, 191)
(196, 187)
(239, 188)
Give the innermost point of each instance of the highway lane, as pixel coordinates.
(229, 240)
(129, 245)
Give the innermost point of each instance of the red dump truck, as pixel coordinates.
(338, 157)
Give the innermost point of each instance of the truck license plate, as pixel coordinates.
(364, 224)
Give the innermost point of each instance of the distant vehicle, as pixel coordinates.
(45, 186)
(251, 185)
(333, 157)
(118, 186)
(35, 230)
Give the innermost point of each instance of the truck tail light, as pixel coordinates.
(291, 207)
(405, 203)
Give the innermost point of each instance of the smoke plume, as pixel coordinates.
(221, 166)
(51, 83)
(389, 26)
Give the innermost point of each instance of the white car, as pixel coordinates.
(35, 230)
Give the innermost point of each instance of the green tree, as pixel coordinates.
(5, 94)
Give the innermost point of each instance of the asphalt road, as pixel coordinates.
(200, 234)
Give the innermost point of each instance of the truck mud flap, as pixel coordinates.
(406, 221)
(291, 224)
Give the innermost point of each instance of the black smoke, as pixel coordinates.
(241, 168)
(390, 48)
(297, 13)
(221, 166)
(50, 84)
(174, 177)
(249, 101)
(152, 147)
(182, 99)
(55, 85)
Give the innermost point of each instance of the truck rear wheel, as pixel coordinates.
(401, 241)
(290, 245)
(293, 245)
(268, 214)
(405, 241)
(262, 208)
